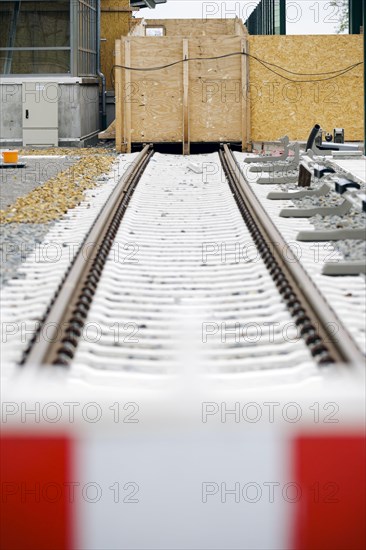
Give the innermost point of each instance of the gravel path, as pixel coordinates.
(17, 182)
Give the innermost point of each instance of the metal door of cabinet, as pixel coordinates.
(40, 113)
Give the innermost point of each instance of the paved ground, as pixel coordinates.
(17, 182)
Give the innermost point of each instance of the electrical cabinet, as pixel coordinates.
(40, 113)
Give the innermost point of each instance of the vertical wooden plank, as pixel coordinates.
(127, 95)
(246, 123)
(248, 96)
(186, 144)
(119, 95)
(244, 95)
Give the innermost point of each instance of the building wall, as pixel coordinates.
(79, 102)
(281, 107)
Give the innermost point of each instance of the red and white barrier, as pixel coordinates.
(269, 472)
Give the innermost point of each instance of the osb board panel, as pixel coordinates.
(156, 96)
(113, 26)
(280, 107)
(215, 90)
(117, 4)
(137, 27)
(194, 27)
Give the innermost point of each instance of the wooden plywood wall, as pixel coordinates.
(198, 27)
(215, 90)
(232, 99)
(156, 98)
(281, 107)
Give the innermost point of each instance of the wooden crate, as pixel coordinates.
(198, 100)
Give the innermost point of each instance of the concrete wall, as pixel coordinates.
(280, 107)
(78, 111)
(10, 114)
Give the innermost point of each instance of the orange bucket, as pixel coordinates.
(10, 156)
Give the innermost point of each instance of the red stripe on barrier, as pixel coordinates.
(35, 510)
(331, 513)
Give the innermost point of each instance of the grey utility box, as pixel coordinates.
(40, 113)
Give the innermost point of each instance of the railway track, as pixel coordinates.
(187, 294)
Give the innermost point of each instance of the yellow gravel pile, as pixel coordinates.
(51, 200)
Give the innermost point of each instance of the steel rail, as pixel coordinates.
(65, 317)
(328, 340)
